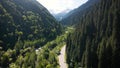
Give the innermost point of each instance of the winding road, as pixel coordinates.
(62, 61)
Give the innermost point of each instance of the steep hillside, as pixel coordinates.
(24, 26)
(96, 40)
(74, 16)
(25, 20)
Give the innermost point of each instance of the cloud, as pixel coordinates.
(57, 6)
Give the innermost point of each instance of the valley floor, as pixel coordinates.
(53, 52)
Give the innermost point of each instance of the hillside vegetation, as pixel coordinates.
(27, 20)
(24, 26)
(96, 40)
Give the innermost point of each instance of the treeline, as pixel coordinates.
(96, 40)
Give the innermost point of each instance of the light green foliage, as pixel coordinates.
(26, 25)
(47, 56)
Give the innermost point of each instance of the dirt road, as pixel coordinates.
(62, 61)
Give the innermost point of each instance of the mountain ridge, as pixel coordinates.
(71, 17)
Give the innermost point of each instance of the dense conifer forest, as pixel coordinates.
(95, 43)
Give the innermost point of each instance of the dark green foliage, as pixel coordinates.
(96, 42)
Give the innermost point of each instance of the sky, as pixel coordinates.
(58, 6)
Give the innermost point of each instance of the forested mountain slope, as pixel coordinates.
(27, 20)
(24, 26)
(74, 16)
(96, 40)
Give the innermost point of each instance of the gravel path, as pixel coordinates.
(62, 61)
